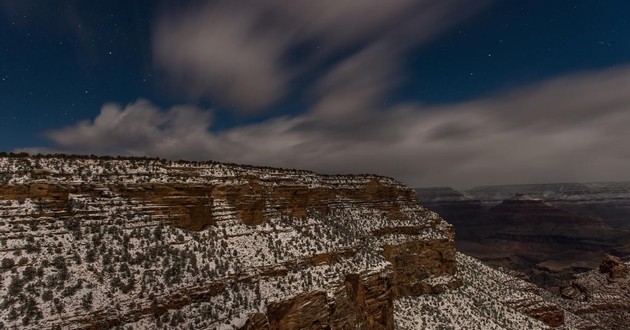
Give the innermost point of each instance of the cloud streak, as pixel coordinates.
(572, 128)
(236, 53)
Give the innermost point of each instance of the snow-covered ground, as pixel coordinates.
(116, 258)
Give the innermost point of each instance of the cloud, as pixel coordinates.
(236, 52)
(218, 52)
(137, 129)
(572, 128)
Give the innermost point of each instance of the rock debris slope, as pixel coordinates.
(90, 242)
(488, 299)
(601, 295)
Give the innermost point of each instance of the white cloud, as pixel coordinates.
(235, 52)
(573, 128)
(137, 129)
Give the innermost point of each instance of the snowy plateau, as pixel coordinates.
(139, 243)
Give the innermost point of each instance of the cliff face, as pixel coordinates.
(150, 243)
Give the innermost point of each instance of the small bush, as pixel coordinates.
(7, 263)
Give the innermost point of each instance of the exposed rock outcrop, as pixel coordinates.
(363, 302)
(614, 267)
(601, 295)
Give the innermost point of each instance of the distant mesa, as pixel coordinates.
(524, 197)
(548, 232)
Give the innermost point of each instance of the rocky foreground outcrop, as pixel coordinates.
(601, 295)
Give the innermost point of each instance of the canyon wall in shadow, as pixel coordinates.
(547, 231)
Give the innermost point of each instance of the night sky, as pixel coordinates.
(429, 92)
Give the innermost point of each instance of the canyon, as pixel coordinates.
(548, 232)
(141, 243)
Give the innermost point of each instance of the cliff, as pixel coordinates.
(99, 242)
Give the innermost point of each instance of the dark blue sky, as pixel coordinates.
(61, 61)
(520, 42)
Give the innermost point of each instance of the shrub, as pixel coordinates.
(7, 263)
(47, 295)
(15, 287)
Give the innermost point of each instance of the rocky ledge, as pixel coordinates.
(601, 295)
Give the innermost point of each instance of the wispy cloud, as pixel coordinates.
(236, 53)
(572, 128)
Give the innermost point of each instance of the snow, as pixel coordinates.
(483, 302)
(115, 255)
